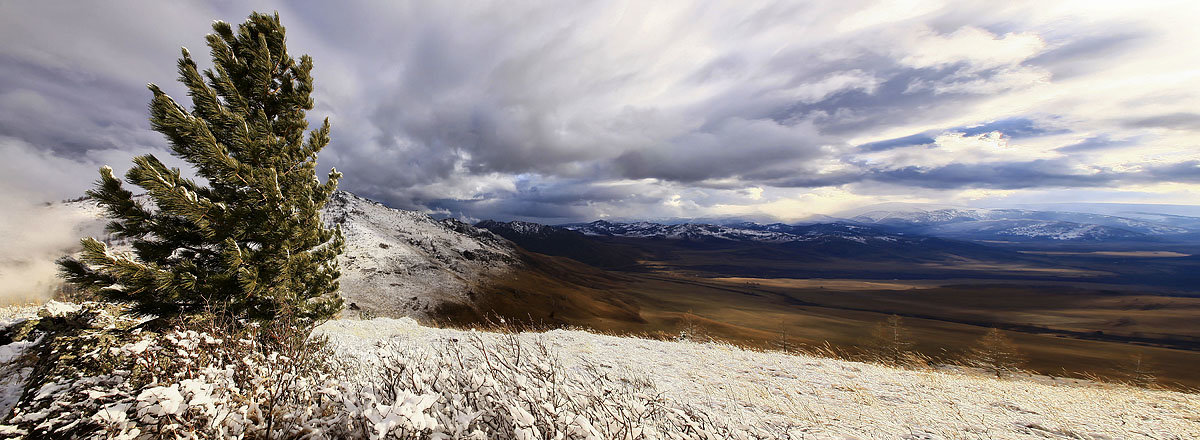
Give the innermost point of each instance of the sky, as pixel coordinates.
(573, 111)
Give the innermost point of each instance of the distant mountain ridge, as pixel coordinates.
(553, 240)
(744, 231)
(1024, 224)
(900, 220)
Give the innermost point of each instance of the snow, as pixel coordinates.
(934, 220)
(397, 377)
(55, 309)
(13, 379)
(12, 375)
(404, 263)
(830, 398)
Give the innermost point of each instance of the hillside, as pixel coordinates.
(828, 398)
(399, 379)
(404, 263)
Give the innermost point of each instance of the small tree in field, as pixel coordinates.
(996, 353)
(250, 243)
(890, 342)
(1138, 370)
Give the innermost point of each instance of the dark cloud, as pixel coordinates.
(1081, 54)
(44, 107)
(906, 141)
(892, 103)
(1011, 175)
(576, 109)
(1094, 143)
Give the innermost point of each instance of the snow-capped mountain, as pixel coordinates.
(1031, 230)
(528, 229)
(396, 263)
(685, 231)
(743, 231)
(1022, 224)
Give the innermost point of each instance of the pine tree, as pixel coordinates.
(890, 342)
(250, 243)
(996, 353)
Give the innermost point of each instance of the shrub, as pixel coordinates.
(890, 343)
(996, 353)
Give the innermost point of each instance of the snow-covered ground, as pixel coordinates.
(752, 394)
(831, 398)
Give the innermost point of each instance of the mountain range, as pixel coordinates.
(978, 224)
(1027, 225)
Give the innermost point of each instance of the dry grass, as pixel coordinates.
(829, 397)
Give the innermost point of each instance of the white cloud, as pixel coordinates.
(970, 44)
(957, 148)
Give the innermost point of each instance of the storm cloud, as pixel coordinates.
(576, 110)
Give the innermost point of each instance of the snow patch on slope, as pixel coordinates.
(405, 263)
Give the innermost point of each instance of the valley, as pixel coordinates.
(1076, 313)
(1064, 331)
(1077, 307)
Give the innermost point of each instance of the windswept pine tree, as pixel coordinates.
(248, 242)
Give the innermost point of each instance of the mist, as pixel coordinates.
(34, 236)
(35, 229)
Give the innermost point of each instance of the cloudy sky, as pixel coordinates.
(563, 111)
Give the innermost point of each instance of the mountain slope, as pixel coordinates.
(822, 397)
(670, 389)
(405, 263)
